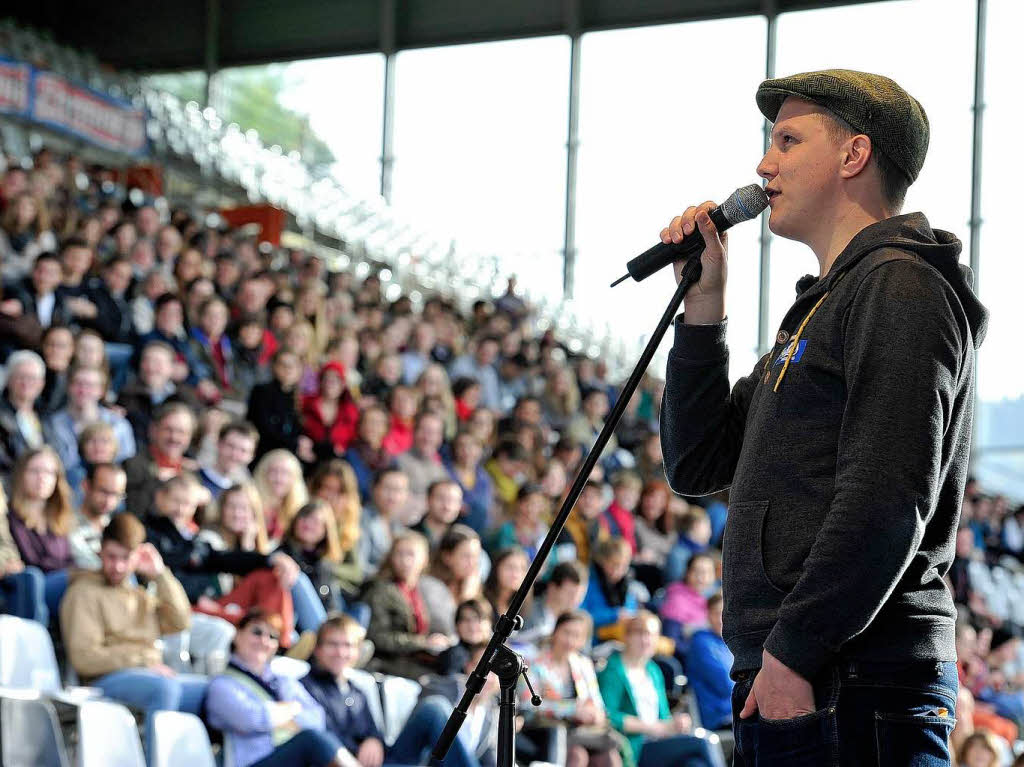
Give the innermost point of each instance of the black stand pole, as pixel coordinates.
(507, 665)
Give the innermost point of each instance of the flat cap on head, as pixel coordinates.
(894, 120)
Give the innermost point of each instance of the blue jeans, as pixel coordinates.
(309, 610)
(869, 714)
(310, 748)
(679, 750)
(421, 733)
(149, 691)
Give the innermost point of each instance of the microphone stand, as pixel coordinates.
(506, 664)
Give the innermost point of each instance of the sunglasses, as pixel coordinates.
(259, 632)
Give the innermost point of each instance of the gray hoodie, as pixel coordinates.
(846, 452)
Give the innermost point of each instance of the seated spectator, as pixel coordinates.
(972, 672)
(153, 386)
(112, 626)
(238, 524)
(58, 347)
(422, 465)
(96, 444)
(561, 398)
(466, 468)
(434, 387)
(650, 463)
(633, 690)
(236, 446)
(269, 580)
(403, 630)
(273, 409)
(466, 394)
(481, 367)
(454, 575)
(211, 346)
(655, 526)
(253, 353)
(169, 327)
(366, 455)
(585, 525)
(708, 662)
(694, 538)
(980, 749)
(609, 598)
(25, 234)
(508, 568)
(170, 435)
(378, 521)
(564, 591)
(474, 624)
(528, 527)
(618, 518)
(270, 720)
(40, 519)
(103, 492)
(312, 541)
(565, 680)
(335, 484)
(40, 295)
(329, 417)
(278, 478)
(347, 710)
(685, 603)
(587, 424)
(403, 404)
(444, 503)
(300, 339)
(21, 588)
(21, 427)
(417, 355)
(86, 388)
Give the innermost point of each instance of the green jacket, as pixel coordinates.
(619, 700)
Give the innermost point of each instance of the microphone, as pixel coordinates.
(745, 203)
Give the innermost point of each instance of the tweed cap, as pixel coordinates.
(875, 105)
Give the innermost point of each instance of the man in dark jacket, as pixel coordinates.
(846, 448)
(349, 717)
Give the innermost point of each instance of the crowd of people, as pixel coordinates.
(214, 450)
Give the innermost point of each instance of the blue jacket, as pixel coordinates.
(596, 603)
(708, 661)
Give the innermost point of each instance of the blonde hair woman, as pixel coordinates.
(278, 478)
(335, 484)
(434, 386)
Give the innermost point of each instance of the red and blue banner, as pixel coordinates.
(52, 100)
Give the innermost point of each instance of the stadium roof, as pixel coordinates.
(143, 35)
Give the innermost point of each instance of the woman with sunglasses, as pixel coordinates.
(267, 720)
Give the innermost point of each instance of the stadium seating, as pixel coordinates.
(108, 736)
(180, 739)
(30, 735)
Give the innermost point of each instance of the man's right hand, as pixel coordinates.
(284, 713)
(705, 301)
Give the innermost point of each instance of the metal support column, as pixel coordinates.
(211, 52)
(765, 332)
(572, 9)
(978, 108)
(388, 48)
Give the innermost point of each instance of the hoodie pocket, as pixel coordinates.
(743, 567)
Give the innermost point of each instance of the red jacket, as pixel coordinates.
(340, 433)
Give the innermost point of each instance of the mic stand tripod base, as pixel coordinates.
(508, 667)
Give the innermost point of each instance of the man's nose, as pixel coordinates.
(767, 169)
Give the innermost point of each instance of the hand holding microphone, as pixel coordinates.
(700, 231)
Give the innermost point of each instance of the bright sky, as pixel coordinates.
(667, 119)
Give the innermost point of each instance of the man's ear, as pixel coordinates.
(855, 155)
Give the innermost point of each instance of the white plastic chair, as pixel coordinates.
(367, 683)
(108, 736)
(293, 668)
(179, 740)
(32, 735)
(399, 696)
(27, 660)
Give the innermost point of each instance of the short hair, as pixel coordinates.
(92, 430)
(74, 242)
(22, 356)
(125, 529)
(461, 385)
(259, 615)
(344, 623)
(441, 483)
(481, 607)
(610, 548)
(641, 617)
(92, 469)
(690, 518)
(627, 477)
(156, 343)
(164, 299)
(47, 256)
(573, 615)
(894, 182)
(171, 408)
(178, 481)
(77, 368)
(239, 426)
(379, 476)
(568, 572)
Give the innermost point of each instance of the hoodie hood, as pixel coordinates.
(912, 232)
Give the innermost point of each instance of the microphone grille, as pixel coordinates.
(745, 203)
